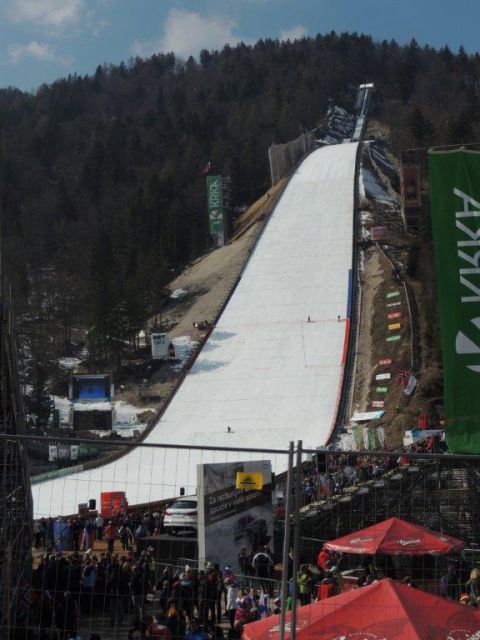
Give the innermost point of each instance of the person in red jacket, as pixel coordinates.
(110, 532)
(323, 557)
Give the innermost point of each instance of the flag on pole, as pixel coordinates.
(206, 168)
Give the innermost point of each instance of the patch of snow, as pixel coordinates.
(184, 346)
(365, 216)
(126, 414)
(177, 293)
(93, 406)
(381, 159)
(69, 363)
(370, 187)
(362, 260)
(63, 406)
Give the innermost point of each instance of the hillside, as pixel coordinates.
(101, 188)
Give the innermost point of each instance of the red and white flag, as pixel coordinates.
(206, 168)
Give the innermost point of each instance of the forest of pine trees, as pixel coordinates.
(101, 186)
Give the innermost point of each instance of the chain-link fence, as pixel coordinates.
(285, 157)
(105, 560)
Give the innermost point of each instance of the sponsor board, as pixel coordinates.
(455, 206)
(249, 480)
(385, 361)
(393, 338)
(394, 326)
(383, 376)
(396, 314)
(231, 518)
(393, 294)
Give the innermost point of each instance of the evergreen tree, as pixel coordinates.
(40, 403)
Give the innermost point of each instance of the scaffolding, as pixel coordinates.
(15, 494)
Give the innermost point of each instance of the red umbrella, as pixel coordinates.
(396, 537)
(384, 610)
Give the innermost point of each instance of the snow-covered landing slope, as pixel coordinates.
(266, 372)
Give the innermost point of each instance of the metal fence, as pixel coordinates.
(330, 494)
(283, 158)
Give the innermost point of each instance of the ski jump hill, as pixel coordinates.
(266, 371)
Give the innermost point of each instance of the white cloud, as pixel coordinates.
(294, 33)
(187, 33)
(51, 13)
(37, 50)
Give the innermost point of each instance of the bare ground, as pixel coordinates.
(414, 352)
(207, 282)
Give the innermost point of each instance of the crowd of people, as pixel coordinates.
(89, 567)
(343, 471)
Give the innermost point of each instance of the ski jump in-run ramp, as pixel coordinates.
(266, 371)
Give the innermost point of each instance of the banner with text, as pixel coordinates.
(215, 206)
(455, 204)
(231, 518)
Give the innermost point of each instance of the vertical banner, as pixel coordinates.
(455, 203)
(231, 518)
(358, 437)
(411, 191)
(215, 208)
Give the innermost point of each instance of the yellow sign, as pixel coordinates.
(246, 480)
(392, 327)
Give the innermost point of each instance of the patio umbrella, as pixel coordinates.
(385, 610)
(396, 537)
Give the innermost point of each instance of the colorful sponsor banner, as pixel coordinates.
(394, 304)
(381, 436)
(358, 437)
(396, 314)
(378, 404)
(411, 190)
(246, 480)
(385, 361)
(393, 294)
(366, 441)
(394, 326)
(365, 416)
(382, 389)
(393, 338)
(455, 205)
(383, 376)
(372, 443)
(215, 204)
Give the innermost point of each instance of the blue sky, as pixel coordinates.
(41, 40)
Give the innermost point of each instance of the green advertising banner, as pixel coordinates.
(455, 204)
(215, 204)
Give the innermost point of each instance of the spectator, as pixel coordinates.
(110, 533)
(232, 595)
(194, 631)
(113, 589)
(263, 565)
(66, 616)
(99, 526)
(304, 585)
(137, 586)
